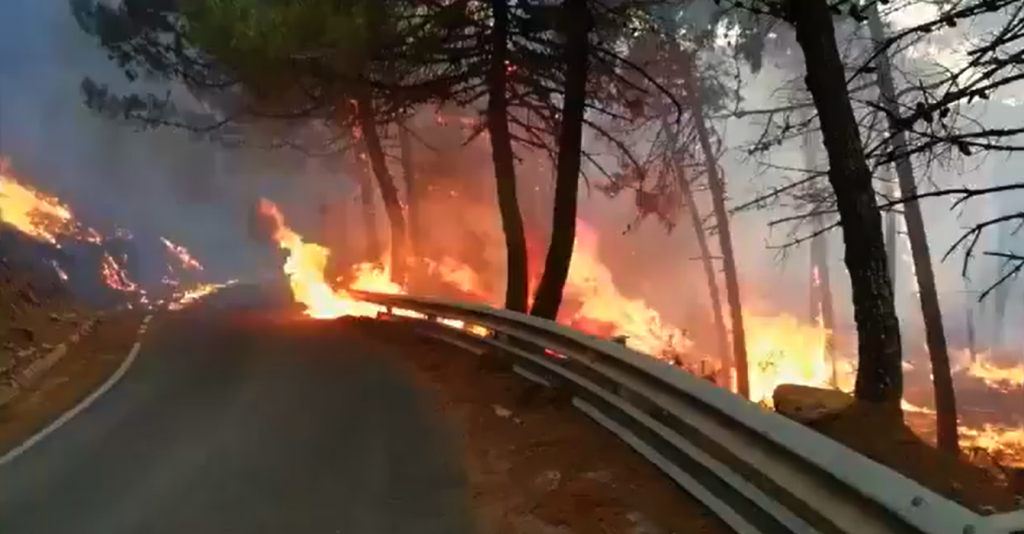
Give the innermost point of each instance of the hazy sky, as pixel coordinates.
(152, 183)
(160, 184)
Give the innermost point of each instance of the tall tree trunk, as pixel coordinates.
(412, 189)
(716, 183)
(892, 238)
(517, 277)
(577, 20)
(386, 184)
(721, 334)
(374, 249)
(714, 293)
(931, 311)
(879, 369)
(822, 306)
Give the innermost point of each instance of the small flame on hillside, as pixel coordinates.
(38, 215)
(115, 276)
(194, 295)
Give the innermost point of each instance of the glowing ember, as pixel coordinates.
(60, 272)
(193, 295)
(115, 276)
(462, 325)
(408, 313)
(182, 254)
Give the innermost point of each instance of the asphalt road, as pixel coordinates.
(230, 422)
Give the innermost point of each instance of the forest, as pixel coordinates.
(881, 143)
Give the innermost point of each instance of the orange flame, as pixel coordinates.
(1004, 441)
(590, 283)
(305, 267)
(781, 349)
(38, 215)
(1001, 377)
(784, 350)
(458, 274)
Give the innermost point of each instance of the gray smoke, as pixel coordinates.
(154, 183)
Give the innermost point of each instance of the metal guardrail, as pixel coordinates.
(759, 471)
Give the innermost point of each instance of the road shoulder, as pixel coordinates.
(535, 464)
(87, 364)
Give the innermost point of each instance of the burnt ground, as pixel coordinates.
(894, 444)
(536, 464)
(84, 368)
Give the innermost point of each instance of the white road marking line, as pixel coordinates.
(85, 403)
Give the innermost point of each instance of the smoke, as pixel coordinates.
(778, 278)
(154, 183)
(161, 183)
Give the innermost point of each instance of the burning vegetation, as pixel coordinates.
(782, 349)
(38, 229)
(543, 95)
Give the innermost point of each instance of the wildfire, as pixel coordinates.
(1002, 377)
(781, 348)
(305, 267)
(36, 214)
(784, 350)
(182, 254)
(590, 283)
(1002, 441)
(45, 218)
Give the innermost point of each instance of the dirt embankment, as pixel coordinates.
(86, 365)
(536, 465)
(37, 316)
(886, 439)
(34, 318)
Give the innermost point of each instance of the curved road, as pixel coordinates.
(231, 422)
